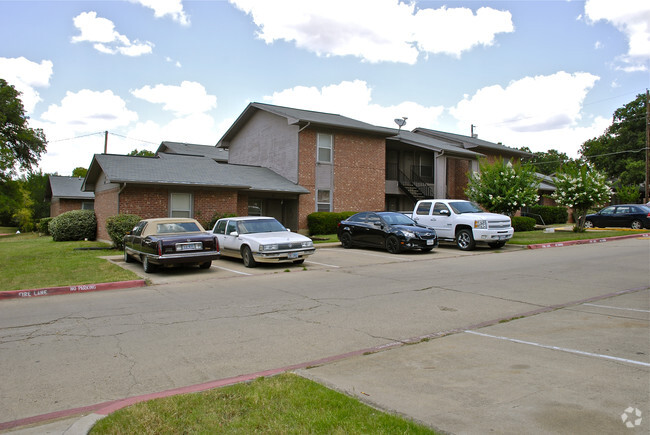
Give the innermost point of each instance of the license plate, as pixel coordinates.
(189, 246)
(292, 255)
(430, 242)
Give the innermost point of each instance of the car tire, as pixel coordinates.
(589, 224)
(392, 245)
(127, 257)
(302, 260)
(465, 240)
(247, 256)
(496, 245)
(637, 224)
(205, 265)
(346, 240)
(147, 266)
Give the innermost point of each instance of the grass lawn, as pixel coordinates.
(283, 404)
(538, 236)
(30, 261)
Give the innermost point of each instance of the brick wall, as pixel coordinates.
(105, 206)
(61, 205)
(457, 178)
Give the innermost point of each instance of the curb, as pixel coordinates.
(587, 241)
(84, 288)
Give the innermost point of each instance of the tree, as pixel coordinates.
(581, 188)
(503, 187)
(547, 162)
(620, 151)
(20, 146)
(79, 172)
(142, 153)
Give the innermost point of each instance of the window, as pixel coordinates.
(180, 205)
(220, 227)
(440, 207)
(325, 144)
(423, 208)
(88, 205)
(231, 228)
(323, 202)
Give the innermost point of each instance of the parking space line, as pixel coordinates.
(393, 257)
(618, 308)
(233, 271)
(562, 349)
(322, 264)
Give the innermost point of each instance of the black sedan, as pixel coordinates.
(635, 216)
(393, 231)
(170, 241)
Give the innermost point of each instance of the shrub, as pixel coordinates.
(522, 223)
(208, 226)
(324, 222)
(628, 194)
(551, 215)
(43, 226)
(74, 225)
(118, 226)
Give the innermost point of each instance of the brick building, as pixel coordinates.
(65, 194)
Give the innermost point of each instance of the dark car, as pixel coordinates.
(390, 230)
(170, 241)
(634, 216)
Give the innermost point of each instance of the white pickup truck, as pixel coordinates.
(463, 222)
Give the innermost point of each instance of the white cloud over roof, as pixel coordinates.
(101, 32)
(188, 98)
(26, 76)
(375, 30)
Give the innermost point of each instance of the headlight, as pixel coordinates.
(269, 247)
(408, 234)
(480, 224)
(307, 244)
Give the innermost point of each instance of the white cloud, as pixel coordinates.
(389, 31)
(106, 39)
(186, 99)
(353, 99)
(26, 76)
(632, 17)
(161, 8)
(541, 112)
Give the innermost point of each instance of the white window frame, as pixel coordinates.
(324, 204)
(322, 146)
(172, 210)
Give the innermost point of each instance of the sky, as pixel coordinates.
(545, 74)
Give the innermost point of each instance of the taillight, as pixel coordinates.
(216, 244)
(160, 247)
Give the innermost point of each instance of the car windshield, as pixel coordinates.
(396, 219)
(460, 207)
(177, 227)
(260, 226)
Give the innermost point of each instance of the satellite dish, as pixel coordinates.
(401, 121)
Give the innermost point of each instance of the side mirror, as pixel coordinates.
(234, 234)
(444, 212)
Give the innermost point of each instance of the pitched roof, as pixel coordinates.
(469, 142)
(189, 149)
(66, 187)
(432, 143)
(302, 118)
(179, 170)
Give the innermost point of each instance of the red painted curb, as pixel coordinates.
(84, 288)
(586, 241)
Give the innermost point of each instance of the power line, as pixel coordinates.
(132, 138)
(76, 137)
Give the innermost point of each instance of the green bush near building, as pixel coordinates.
(119, 226)
(522, 223)
(323, 222)
(74, 225)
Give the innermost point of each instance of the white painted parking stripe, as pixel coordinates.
(562, 349)
(392, 257)
(233, 271)
(618, 308)
(322, 264)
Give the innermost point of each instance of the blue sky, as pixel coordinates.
(543, 74)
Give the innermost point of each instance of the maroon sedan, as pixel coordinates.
(170, 241)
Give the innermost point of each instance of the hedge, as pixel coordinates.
(118, 226)
(74, 225)
(325, 222)
(43, 226)
(551, 215)
(523, 223)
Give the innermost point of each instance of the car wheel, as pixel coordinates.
(496, 245)
(302, 260)
(147, 266)
(392, 245)
(127, 257)
(589, 224)
(637, 224)
(247, 256)
(465, 240)
(346, 240)
(205, 265)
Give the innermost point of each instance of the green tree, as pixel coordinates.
(547, 162)
(620, 151)
(503, 187)
(20, 146)
(581, 188)
(79, 172)
(35, 183)
(143, 153)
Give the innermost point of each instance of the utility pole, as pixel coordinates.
(472, 129)
(106, 142)
(647, 145)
